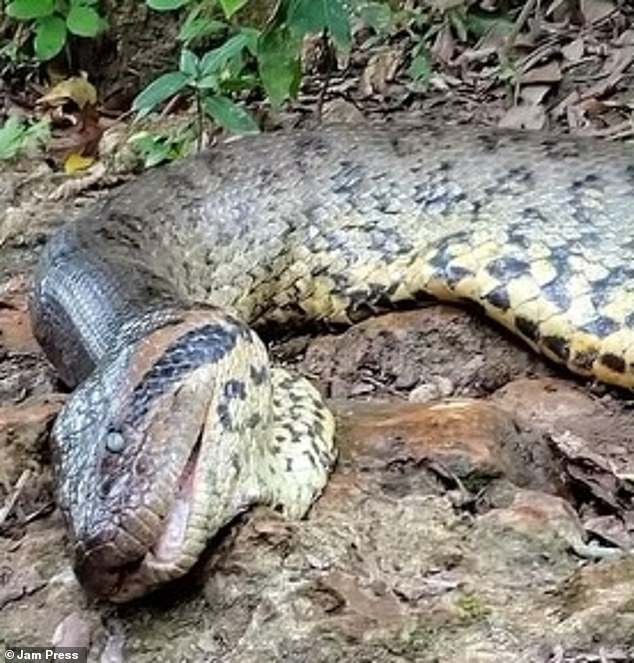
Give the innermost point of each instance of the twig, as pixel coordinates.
(510, 42)
(13, 498)
(328, 55)
(519, 24)
(199, 119)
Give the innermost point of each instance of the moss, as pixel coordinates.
(472, 608)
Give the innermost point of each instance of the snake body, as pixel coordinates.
(146, 304)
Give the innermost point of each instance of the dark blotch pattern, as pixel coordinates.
(195, 348)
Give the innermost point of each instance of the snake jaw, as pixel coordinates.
(105, 573)
(140, 472)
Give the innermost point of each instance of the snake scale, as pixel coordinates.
(147, 306)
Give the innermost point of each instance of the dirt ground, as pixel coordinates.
(482, 503)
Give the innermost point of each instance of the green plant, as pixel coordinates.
(53, 20)
(17, 136)
(250, 57)
(155, 148)
(205, 78)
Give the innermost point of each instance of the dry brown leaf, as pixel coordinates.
(380, 70)
(444, 45)
(82, 138)
(524, 117)
(547, 73)
(76, 89)
(573, 52)
(596, 10)
(534, 94)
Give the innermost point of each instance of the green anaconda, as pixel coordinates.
(146, 305)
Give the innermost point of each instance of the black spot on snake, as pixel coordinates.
(259, 375)
(527, 327)
(224, 416)
(235, 389)
(585, 360)
(499, 297)
(197, 347)
(508, 268)
(613, 362)
(558, 346)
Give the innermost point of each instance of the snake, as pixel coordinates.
(152, 306)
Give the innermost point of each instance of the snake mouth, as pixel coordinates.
(105, 575)
(171, 539)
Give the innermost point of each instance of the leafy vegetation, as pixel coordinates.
(17, 136)
(230, 54)
(53, 20)
(249, 57)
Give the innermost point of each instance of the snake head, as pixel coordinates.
(145, 465)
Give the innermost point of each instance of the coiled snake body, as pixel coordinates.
(178, 422)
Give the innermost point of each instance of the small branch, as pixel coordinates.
(519, 24)
(200, 120)
(13, 498)
(328, 54)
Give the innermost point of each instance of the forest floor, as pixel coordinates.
(482, 497)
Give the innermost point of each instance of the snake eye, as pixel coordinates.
(114, 441)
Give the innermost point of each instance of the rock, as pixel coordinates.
(468, 442)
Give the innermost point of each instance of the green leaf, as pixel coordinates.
(482, 23)
(162, 88)
(189, 63)
(209, 82)
(230, 7)
(27, 9)
(11, 134)
(83, 21)
(215, 60)
(50, 37)
(338, 22)
(197, 26)
(230, 116)
(279, 64)
(165, 5)
(16, 136)
(252, 36)
(312, 16)
(420, 68)
(377, 16)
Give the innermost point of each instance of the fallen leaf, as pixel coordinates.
(444, 45)
(76, 162)
(379, 71)
(524, 116)
(81, 139)
(595, 10)
(76, 89)
(573, 52)
(534, 94)
(547, 73)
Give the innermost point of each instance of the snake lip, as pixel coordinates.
(108, 572)
(171, 537)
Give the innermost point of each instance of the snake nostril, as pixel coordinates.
(106, 486)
